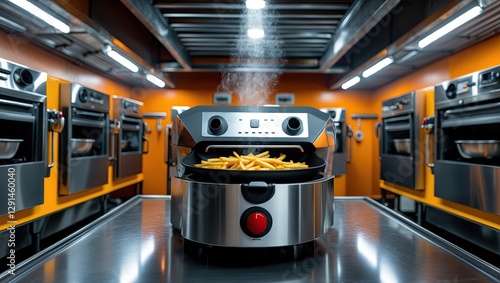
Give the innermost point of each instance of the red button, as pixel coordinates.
(257, 223)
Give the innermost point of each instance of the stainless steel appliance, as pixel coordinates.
(467, 139)
(402, 160)
(238, 208)
(169, 159)
(23, 136)
(84, 142)
(341, 158)
(127, 141)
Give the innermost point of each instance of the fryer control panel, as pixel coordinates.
(247, 124)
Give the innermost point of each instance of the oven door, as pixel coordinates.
(129, 147)
(22, 149)
(398, 143)
(83, 151)
(467, 167)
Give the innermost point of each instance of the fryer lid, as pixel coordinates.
(316, 166)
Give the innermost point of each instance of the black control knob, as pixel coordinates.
(217, 125)
(292, 126)
(451, 91)
(83, 95)
(23, 77)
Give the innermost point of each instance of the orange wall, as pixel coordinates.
(478, 57)
(309, 89)
(59, 70)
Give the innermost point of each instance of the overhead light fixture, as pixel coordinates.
(377, 67)
(351, 82)
(120, 59)
(462, 19)
(42, 15)
(255, 4)
(156, 81)
(255, 33)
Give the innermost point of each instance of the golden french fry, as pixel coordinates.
(262, 154)
(251, 164)
(265, 164)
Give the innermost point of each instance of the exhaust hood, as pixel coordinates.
(339, 39)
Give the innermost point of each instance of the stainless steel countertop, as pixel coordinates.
(367, 243)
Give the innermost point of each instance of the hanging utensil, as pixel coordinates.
(359, 135)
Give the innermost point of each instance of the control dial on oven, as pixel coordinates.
(451, 91)
(23, 77)
(83, 95)
(256, 222)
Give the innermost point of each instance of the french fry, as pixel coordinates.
(262, 154)
(265, 164)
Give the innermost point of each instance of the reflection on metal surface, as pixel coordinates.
(367, 250)
(386, 272)
(135, 244)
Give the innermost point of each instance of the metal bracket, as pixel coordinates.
(364, 116)
(156, 115)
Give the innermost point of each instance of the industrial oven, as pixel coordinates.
(84, 142)
(402, 158)
(467, 140)
(127, 137)
(23, 135)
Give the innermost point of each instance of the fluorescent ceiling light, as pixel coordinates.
(377, 67)
(154, 80)
(42, 15)
(255, 4)
(255, 33)
(351, 82)
(462, 19)
(122, 60)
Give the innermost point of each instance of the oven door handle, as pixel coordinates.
(90, 114)
(132, 120)
(128, 127)
(427, 151)
(17, 117)
(15, 103)
(165, 150)
(430, 131)
(56, 126)
(471, 109)
(378, 128)
(252, 146)
(113, 141)
(87, 123)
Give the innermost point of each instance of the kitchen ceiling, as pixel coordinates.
(338, 38)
